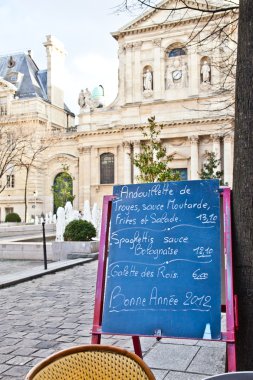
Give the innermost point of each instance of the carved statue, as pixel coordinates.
(168, 76)
(81, 99)
(185, 75)
(85, 100)
(147, 80)
(205, 71)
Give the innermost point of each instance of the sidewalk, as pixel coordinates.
(53, 312)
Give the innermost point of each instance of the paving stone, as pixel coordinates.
(210, 360)
(17, 372)
(3, 368)
(185, 342)
(159, 374)
(19, 360)
(5, 358)
(7, 349)
(211, 343)
(43, 353)
(171, 357)
(46, 344)
(172, 375)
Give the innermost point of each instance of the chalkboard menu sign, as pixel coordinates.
(163, 272)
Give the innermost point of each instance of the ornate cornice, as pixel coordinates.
(157, 42)
(194, 139)
(126, 145)
(216, 137)
(128, 46)
(84, 150)
(137, 45)
(118, 129)
(228, 137)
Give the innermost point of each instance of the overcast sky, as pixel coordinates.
(83, 26)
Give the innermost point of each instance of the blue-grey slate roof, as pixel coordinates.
(32, 81)
(30, 84)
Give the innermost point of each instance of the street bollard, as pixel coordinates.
(44, 245)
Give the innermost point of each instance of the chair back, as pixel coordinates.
(92, 362)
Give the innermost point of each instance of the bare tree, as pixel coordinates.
(30, 159)
(11, 152)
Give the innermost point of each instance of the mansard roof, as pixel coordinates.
(20, 70)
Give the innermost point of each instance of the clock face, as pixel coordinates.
(177, 74)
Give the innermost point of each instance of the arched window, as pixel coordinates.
(176, 52)
(62, 190)
(107, 168)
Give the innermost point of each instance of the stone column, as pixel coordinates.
(228, 159)
(216, 149)
(84, 175)
(163, 69)
(194, 157)
(116, 163)
(137, 83)
(157, 72)
(127, 162)
(194, 71)
(137, 150)
(121, 55)
(129, 74)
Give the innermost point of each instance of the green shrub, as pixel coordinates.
(13, 217)
(79, 230)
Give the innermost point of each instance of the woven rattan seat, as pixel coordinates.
(91, 362)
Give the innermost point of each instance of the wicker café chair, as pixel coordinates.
(91, 362)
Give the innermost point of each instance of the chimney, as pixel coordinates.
(55, 70)
(30, 53)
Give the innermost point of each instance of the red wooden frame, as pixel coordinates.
(231, 299)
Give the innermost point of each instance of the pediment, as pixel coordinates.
(165, 13)
(6, 86)
(62, 158)
(179, 156)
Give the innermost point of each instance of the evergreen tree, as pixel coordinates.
(153, 160)
(209, 169)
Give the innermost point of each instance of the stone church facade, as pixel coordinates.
(159, 75)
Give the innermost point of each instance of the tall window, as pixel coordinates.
(182, 172)
(107, 168)
(62, 190)
(10, 180)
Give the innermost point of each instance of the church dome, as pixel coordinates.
(98, 95)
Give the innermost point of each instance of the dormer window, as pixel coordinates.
(11, 62)
(14, 77)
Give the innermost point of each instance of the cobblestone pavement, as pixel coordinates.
(55, 311)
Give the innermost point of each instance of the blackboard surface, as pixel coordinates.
(163, 273)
